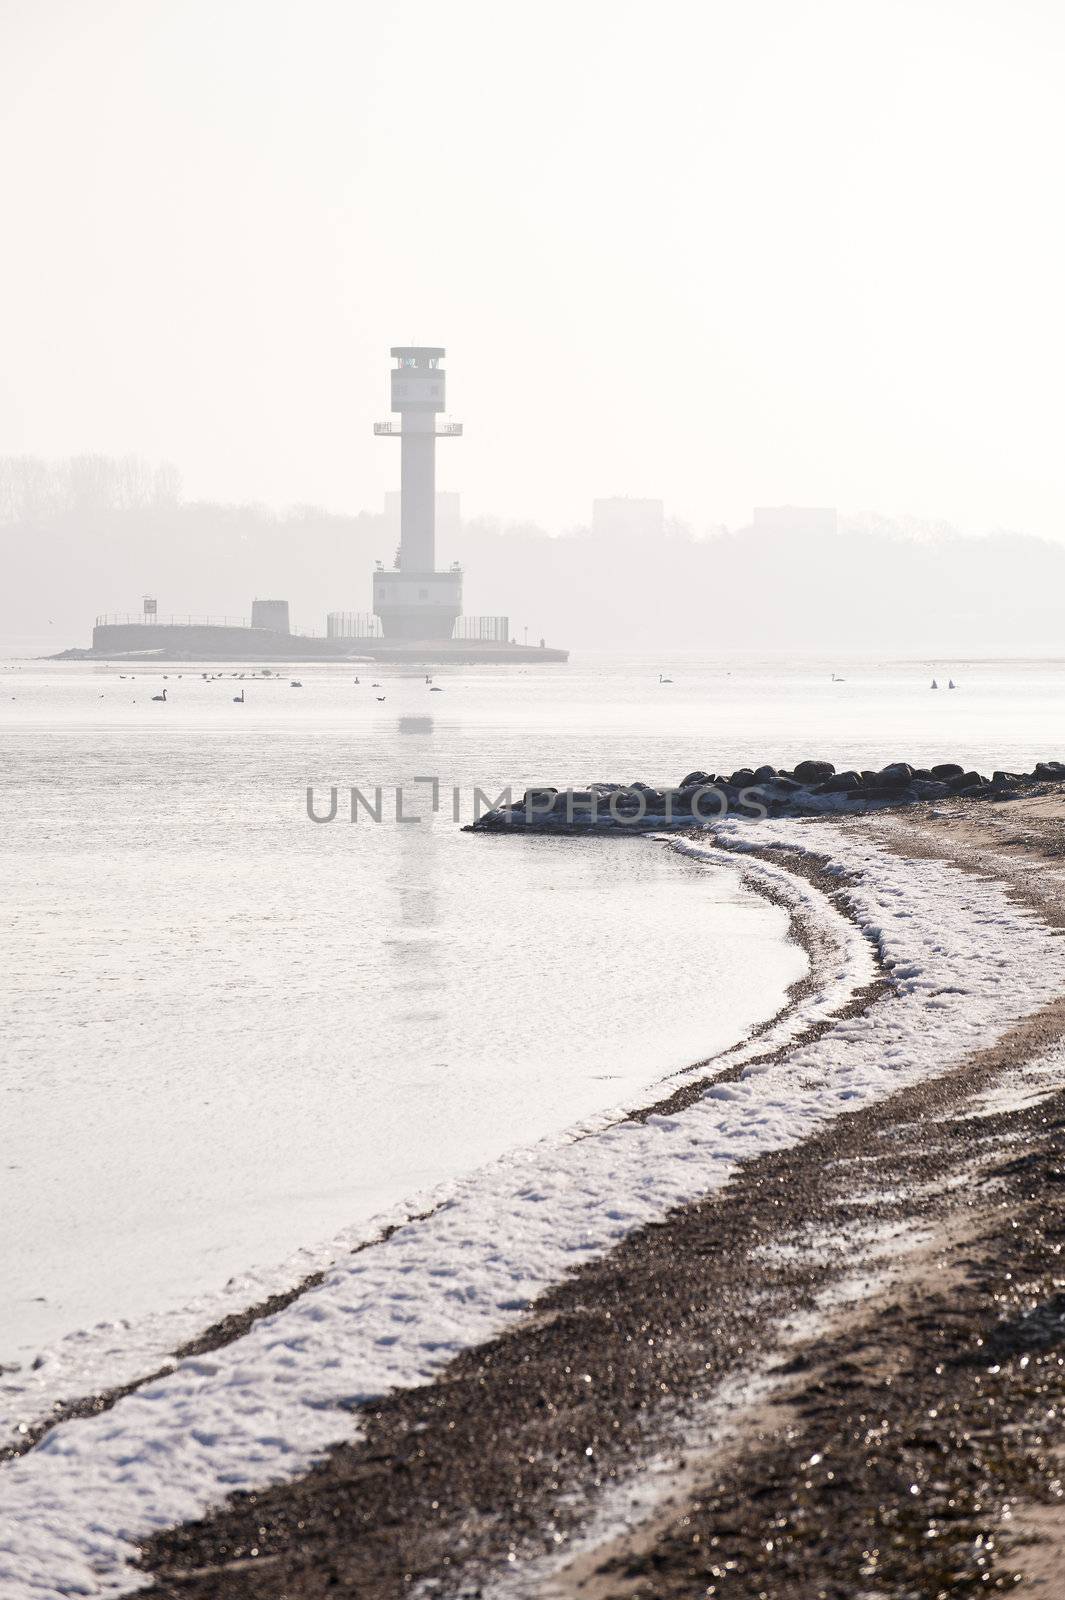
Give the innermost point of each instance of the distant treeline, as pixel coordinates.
(93, 535)
(33, 490)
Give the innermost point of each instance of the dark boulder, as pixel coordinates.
(694, 778)
(814, 771)
(967, 782)
(1003, 780)
(538, 798)
(1049, 770)
(709, 800)
(579, 799)
(635, 801)
(896, 775)
(976, 791)
(839, 783)
(757, 798)
(764, 774)
(898, 795)
(947, 770)
(742, 775)
(929, 789)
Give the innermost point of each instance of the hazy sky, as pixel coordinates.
(723, 254)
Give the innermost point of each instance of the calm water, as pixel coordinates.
(228, 1032)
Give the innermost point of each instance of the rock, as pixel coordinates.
(1049, 769)
(839, 783)
(947, 770)
(965, 783)
(764, 774)
(923, 774)
(637, 798)
(808, 772)
(929, 789)
(783, 785)
(707, 793)
(897, 794)
(743, 776)
(695, 778)
(1006, 779)
(895, 775)
(537, 797)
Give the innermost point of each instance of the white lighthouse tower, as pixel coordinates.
(413, 600)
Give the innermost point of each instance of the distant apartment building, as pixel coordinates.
(795, 519)
(270, 614)
(622, 515)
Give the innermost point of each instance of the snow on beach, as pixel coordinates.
(965, 962)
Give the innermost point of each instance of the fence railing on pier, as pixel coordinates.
(352, 625)
(119, 619)
(494, 630)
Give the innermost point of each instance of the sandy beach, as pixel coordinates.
(839, 1374)
(791, 1325)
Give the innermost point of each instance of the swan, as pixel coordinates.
(295, 684)
(935, 685)
(380, 697)
(238, 699)
(951, 684)
(661, 679)
(160, 696)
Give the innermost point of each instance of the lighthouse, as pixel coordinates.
(413, 600)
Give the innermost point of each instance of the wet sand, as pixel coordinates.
(842, 1375)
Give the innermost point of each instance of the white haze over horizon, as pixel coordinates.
(724, 256)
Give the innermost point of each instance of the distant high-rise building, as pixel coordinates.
(270, 614)
(640, 518)
(795, 519)
(413, 599)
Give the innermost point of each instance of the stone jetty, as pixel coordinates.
(811, 788)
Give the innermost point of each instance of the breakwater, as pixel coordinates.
(811, 788)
